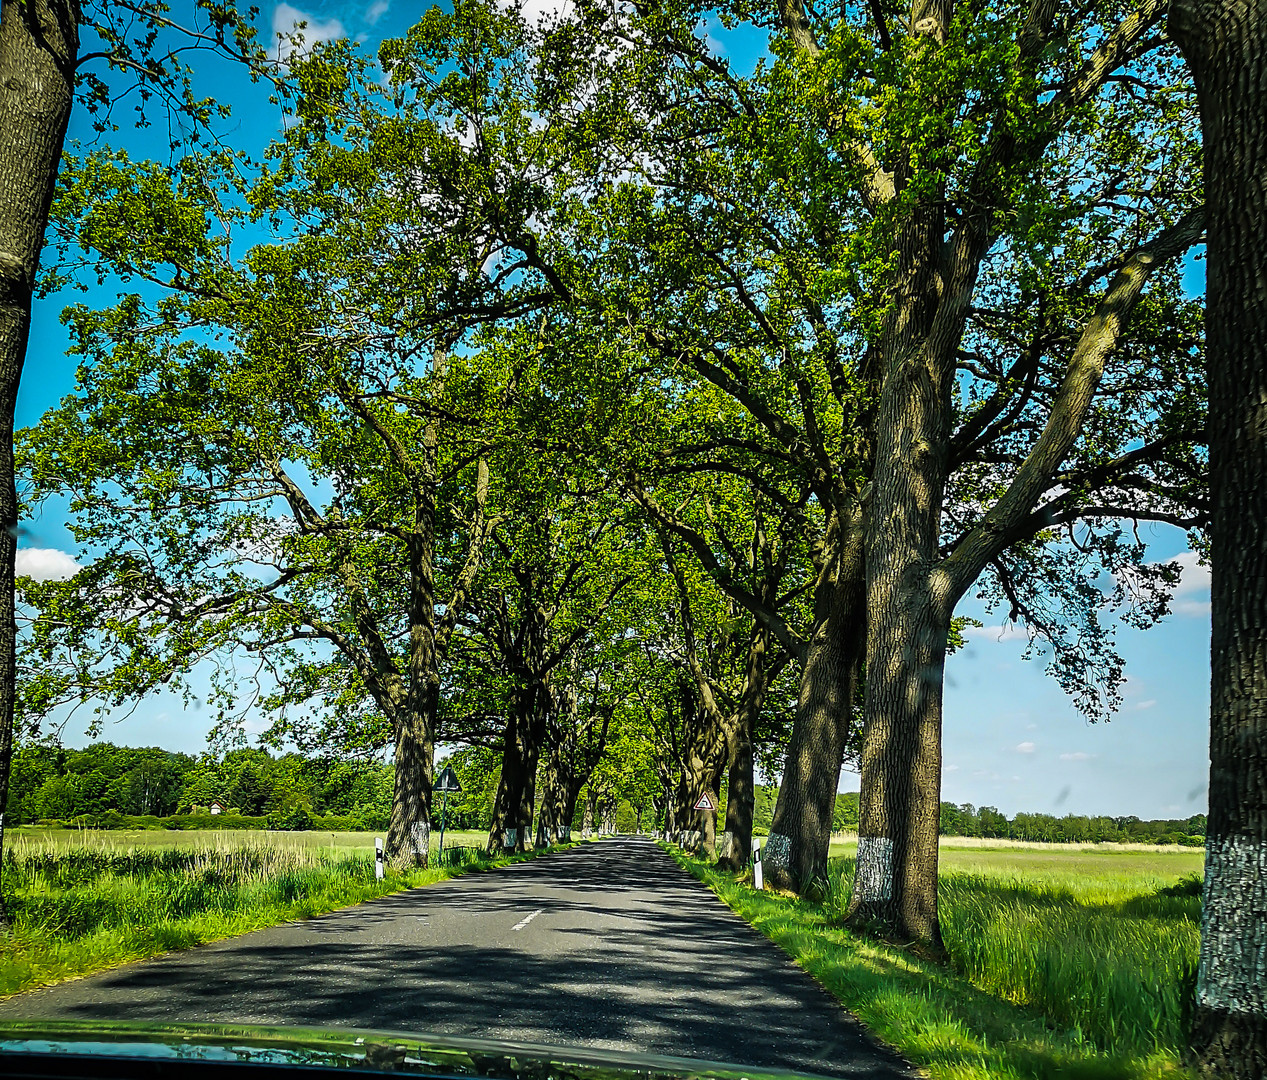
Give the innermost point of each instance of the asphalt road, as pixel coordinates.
(609, 945)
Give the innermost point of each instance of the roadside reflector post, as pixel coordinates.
(378, 858)
(758, 879)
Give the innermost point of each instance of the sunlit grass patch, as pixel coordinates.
(24, 839)
(76, 910)
(997, 1012)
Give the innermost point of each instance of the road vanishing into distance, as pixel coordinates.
(609, 946)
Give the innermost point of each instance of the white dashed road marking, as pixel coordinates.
(524, 922)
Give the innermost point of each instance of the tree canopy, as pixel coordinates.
(557, 393)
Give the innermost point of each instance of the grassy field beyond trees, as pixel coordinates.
(1063, 962)
(83, 900)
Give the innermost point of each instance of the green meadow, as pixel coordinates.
(1065, 961)
(32, 838)
(82, 901)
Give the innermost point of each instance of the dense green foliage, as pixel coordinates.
(108, 786)
(967, 820)
(111, 784)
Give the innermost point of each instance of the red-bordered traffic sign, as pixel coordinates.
(705, 802)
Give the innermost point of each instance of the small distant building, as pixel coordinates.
(216, 808)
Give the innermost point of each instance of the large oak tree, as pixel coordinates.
(1226, 46)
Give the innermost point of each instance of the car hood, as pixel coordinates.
(420, 1054)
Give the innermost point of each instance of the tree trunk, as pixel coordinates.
(572, 794)
(908, 605)
(587, 822)
(503, 829)
(409, 834)
(516, 790)
(39, 45)
(795, 854)
(669, 826)
(708, 822)
(736, 843)
(1226, 45)
(895, 886)
(559, 788)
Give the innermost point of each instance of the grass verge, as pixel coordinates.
(932, 1015)
(76, 912)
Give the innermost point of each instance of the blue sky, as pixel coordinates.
(1012, 738)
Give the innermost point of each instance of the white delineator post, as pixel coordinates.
(758, 879)
(378, 858)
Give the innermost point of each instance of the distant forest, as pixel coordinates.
(108, 785)
(105, 782)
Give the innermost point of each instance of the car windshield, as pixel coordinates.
(634, 529)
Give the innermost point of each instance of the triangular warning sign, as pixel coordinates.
(448, 781)
(705, 802)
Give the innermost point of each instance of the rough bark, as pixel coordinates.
(521, 745)
(1225, 44)
(560, 727)
(708, 821)
(736, 842)
(795, 854)
(667, 811)
(703, 761)
(895, 886)
(409, 833)
(908, 617)
(39, 44)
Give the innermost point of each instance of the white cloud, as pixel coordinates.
(286, 20)
(1145, 704)
(376, 11)
(1192, 594)
(1009, 631)
(45, 564)
(950, 768)
(1025, 748)
(534, 10)
(1077, 755)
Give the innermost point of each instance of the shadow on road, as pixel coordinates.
(628, 952)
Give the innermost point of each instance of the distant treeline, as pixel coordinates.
(110, 786)
(967, 820)
(119, 786)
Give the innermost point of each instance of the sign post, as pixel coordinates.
(447, 782)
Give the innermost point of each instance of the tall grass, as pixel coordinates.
(76, 910)
(936, 1015)
(1107, 958)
